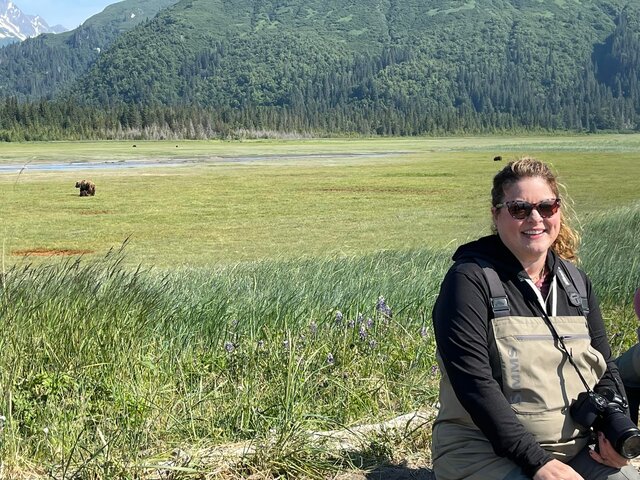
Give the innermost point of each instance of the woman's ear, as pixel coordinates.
(494, 213)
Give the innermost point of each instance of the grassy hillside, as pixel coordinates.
(222, 44)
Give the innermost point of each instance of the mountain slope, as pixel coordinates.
(254, 51)
(375, 66)
(16, 26)
(41, 67)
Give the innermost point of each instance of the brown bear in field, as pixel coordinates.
(87, 187)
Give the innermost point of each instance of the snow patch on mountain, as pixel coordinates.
(16, 26)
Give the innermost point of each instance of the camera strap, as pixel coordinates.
(560, 339)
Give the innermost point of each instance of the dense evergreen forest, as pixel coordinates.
(225, 68)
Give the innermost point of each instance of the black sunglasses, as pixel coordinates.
(520, 209)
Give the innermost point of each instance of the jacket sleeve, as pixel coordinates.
(461, 328)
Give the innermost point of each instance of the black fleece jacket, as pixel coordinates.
(461, 318)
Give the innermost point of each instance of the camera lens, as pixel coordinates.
(620, 431)
(629, 444)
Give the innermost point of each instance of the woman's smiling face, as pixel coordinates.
(528, 239)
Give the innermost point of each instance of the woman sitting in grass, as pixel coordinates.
(523, 350)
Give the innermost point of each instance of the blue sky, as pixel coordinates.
(69, 13)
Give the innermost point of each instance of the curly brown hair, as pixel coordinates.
(568, 240)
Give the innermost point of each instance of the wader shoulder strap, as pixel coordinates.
(574, 285)
(499, 300)
(567, 273)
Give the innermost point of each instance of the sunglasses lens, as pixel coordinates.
(519, 210)
(548, 209)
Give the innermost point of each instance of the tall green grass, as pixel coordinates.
(610, 254)
(101, 365)
(104, 368)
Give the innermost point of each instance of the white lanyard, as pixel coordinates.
(552, 292)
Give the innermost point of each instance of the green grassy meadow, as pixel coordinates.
(419, 192)
(257, 301)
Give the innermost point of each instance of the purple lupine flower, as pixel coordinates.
(434, 369)
(313, 328)
(362, 332)
(372, 344)
(383, 308)
(330, 359)
(360, 318)
(229, 347)
(261, 344)
(369, 322)
(339, 316)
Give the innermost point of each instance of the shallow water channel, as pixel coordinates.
(149, 163)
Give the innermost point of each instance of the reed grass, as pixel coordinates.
(611, 256)
(101, 364)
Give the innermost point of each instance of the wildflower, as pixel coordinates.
(229, 347)
(362, 332)
(261, 344)
(45, 430)
(330, 359)
(313, 328)
(339, 316)
(372, 344)
(383, 308)
(360, 318)
(351, 324)
(369, 322)
(285, 344)
(423, 332)
(434, 369)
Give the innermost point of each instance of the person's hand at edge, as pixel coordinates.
(607, 455)
(556, 470)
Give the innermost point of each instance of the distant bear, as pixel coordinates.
(87, 187)
(497, 158)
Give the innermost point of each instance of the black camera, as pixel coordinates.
(607, 413)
